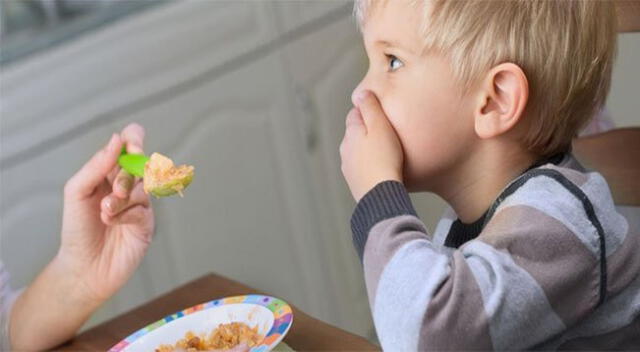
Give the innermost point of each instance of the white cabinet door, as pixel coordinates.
(324, 67)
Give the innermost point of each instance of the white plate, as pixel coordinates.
(272, 316)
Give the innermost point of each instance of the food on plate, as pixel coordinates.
(224, 337)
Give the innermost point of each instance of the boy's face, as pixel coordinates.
(418, 94)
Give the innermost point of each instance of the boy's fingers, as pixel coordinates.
(354, 119)
(133, 136)
(94, 172)
(370, 109)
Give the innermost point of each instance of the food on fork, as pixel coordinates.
(162, 178)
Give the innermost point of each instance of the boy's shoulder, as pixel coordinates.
(560, 204)
(562, 198)
(565, 215)
(565, 191)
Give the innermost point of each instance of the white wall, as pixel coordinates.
(624, 98)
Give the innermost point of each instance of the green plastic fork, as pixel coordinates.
(132, 163)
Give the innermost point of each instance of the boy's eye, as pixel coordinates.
(394, 63)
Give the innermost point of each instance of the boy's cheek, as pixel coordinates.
(400, 111)
(393, 115)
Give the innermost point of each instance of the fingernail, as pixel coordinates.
(125, 184)
(108, 204)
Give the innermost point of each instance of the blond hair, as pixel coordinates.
(566, 49)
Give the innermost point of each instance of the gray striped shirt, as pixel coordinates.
(536, 277)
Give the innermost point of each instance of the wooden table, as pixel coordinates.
(306, 334)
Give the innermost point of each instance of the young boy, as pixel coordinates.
(477, 102)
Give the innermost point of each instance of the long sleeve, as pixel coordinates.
(527, 278)
(7, 298)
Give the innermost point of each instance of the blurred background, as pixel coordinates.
(253, 93)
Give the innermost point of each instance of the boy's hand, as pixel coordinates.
(371, 151)
(107, 222)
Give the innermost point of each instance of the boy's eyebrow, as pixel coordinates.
(388, 43)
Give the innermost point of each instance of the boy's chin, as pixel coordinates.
(419, 183)
(416, 185)
(425, 177)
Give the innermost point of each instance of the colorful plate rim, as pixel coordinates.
(282, 314)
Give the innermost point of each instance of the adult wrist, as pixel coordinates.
(73, 281)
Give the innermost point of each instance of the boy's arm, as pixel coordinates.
(512, 288)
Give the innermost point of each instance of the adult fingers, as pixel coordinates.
(94, 172)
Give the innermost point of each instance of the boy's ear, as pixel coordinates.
(503, 96)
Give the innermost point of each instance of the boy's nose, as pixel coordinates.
(367, 84)
(357, 92)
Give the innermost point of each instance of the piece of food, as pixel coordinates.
(224, 337)
(228, 336)
(162, 178)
